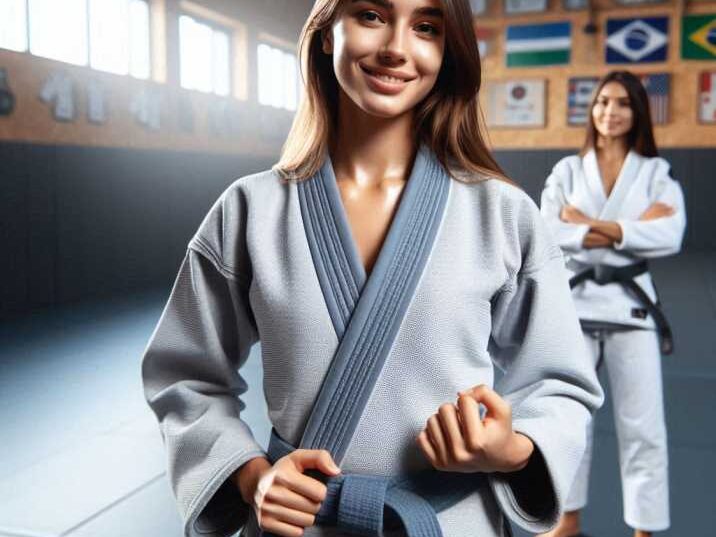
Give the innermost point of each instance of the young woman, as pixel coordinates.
(611, 208)
(386, 266)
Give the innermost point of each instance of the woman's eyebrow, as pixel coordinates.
(387, 4)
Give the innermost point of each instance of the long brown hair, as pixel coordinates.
(641, 135)
(449, 120)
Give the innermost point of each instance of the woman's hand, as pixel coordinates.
(594, 239)
(657, 210)
(455, 439)
(284, 499)
(572, 215)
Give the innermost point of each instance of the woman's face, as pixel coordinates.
(387, 53)
(612, 114)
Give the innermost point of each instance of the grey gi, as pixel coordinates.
(491, 290)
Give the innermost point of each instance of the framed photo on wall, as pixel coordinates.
(525, 6)
(574, 5)
(707, 97)
(516, 103)
(479, 7)
(657, 89)
(579, 96)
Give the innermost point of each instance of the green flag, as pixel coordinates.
(698, 37)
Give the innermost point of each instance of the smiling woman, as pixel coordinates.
(357, 46)
(388, 268)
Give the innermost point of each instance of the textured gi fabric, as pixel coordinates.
(640, 425)
(493, 292)
(641, 182)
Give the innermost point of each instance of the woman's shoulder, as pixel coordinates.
(513, 220)
(656, 163)
(226, 220)
(265, 182)
(568, 165)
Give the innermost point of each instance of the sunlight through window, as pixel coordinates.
(278, 77)
(58, 30)
(205, 57)
(13, 25)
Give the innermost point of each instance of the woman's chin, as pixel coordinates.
(384, 110)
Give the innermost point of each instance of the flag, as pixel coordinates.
(698, 37)
(657, 88)
(707, 97)
(579, 99)
(538, 44)
(637, 40)
(485, 38)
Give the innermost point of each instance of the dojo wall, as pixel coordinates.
(87, 210)
(259, 130)
(587, 59)
(91, 211)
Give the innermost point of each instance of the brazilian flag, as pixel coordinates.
(698, 37)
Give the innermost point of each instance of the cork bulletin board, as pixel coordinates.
(588, 60)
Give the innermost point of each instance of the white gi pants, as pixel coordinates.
(633, 363)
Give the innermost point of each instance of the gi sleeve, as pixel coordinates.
(659, 237)
(570, 237)
(192, 384)
(551, 385)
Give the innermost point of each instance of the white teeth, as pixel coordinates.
(387, 78)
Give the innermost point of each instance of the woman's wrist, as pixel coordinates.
(246, 478)
(519, 452)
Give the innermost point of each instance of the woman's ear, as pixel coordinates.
(327, 40)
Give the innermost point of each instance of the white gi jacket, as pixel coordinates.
(642, 181)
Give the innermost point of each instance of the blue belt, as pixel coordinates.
(366, 504)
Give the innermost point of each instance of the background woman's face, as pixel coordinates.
(612, 113)
(387, 54)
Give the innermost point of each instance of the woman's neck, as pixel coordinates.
(611, 148)
(371, 150)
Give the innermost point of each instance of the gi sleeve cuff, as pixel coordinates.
(622, 245)
(528, 497)
(219, 510)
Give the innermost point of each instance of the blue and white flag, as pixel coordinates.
(637, 40)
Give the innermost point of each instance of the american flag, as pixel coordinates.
(657, 88)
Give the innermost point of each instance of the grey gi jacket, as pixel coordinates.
(275, 262)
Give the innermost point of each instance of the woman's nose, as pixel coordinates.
(394, 50)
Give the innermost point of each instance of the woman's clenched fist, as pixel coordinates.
(284, 499)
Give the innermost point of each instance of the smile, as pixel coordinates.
(390, 79)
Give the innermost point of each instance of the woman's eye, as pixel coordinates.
(369, 16)
(427, 28)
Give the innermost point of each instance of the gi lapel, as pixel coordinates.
(379, 303)
(597, 197)
(625, 180)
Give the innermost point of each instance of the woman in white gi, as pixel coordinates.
(611, 208)
(386, 266)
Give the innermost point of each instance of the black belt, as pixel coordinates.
(604, 274)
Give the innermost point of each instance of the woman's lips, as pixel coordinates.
(384, 83)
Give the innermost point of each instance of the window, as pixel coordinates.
(205, 57)
(278, 77)
(13, 25)
(119, 36)
(109, 35)
(58, 30)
